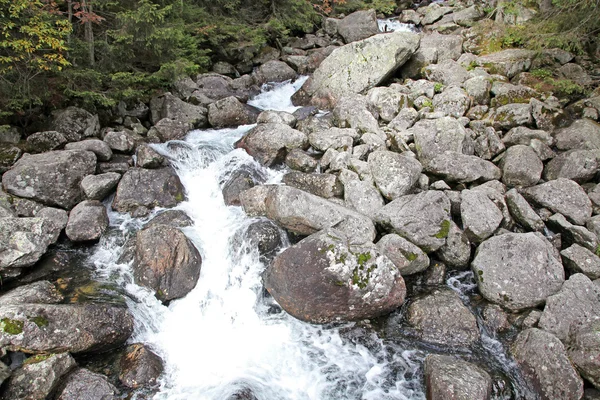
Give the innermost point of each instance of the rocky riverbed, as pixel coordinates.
(411, 161)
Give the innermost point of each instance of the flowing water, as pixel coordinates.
(228, 337)
(394, 25)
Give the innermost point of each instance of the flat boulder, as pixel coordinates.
(462, 168)
(447, 377)
(51, 178)
(99, 147)
(140, 190)
(166, 261)
(517, 270)
(323, 185)
(270, 143)
(357, 67)
(583, 134)
(508, 62)
(334, 280)
(97, 187)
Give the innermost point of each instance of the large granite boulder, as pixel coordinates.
(88, 221)
(97, 187)
(479, 215)
(269, 143)
(462, 168)
(75, 123)
(357, 67)
(99, 147)
(140, 367)
(363, 197)
(171, 107)
(231, 112)
(447, 377)
(407, 257)
(584, 352)
(521, 166)
(166, 261)
(325, 279)
(436, 136)
(583, 134)
(508, 62)
(518, 270)
(51, 178)
(358, 26)
(578, 165)
(395, 174)
(84, 384)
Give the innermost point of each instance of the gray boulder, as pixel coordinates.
(517, 270)
(52, 178)
(75, 123)
(170, 129)
(583, 134)
(100, 148)
(512, 115)
(238, 182)
(576, 304)
(273, 71)
(544, 363)
(84, 384)
(522, 212)
(358, 26)
(395, 174)
(456, 252)
(353, 111)
(508, 62)
(143, 189)
(147, 157)
(340, 74)
(521, 166)
(363, 197)
(269, 143)
(577, 258)
(478, 88)
(467, 16)
(479, 215)
(462, 168)
(299, 160)
(55, 328)
(334, 280)
(525, 136)
(423, 219)
(442, 318)
(171, 107)
(387, 102)
(434, 12)
(584, 352)
(436, 136)
(407, 257)
(447, 377)
(40, 292)
(88, 221)
(9, 134)
(453, 102)
(323, 185)
(448, 72)
(278, 117)
(231, 112)
(573, 233)
(41, 142)
(340, 139)
(124, 141)
(97, 187)
(506, 93)
(166, 261)
(173, 218)
(140, 367)
(562, 196)
(9, 154)
(578, 165)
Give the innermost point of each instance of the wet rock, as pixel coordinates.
(358, 26)
(41, 142)
(239, 181)
(456, 252)
(38, 376)
(276, 117)
(231, 112)
(583, 134)
(517, 270)
(363, 197)
(442, 318)
(97, 187)
(383, 54)
(100, 148)
(53, 328)
(447, 377)
(508, 62)
(140, 367)
(544, 363)
(423, 219)
(324, 185)
(175, 109)
(273, 71)
(522, 212)
(299, 160)
(407, 257)
(166, 261)
(143, 189)
(41, 292)
(395, 174)
(436, 136)
(269, 143)
(495, 318)
(334, 280)
(579, 259)
(88, 221)
(578, 165)
(85, 384)
(305, 214)
(521, 166)
(562, 196)
(479, 215)
(584, 352)
(173, 218)
(266, 236)
(576, 304)
(75, 123)
(462, 168)
(52, 178)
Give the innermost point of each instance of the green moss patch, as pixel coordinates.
(11, 326)
(444, 229)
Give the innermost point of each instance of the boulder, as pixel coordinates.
(577, 165)
(334, 280)
(170, 129)
(41, 142)
(88, 221)
(273, 71)
(517, 270)
(324, 185)
(99, 147)
(54, 328)
(436, 136)
(433, 13)
(357, 67)
(166, 261)
(52, 178)
(512, 115)
(423, 219)
(266, 236)
(9, 155)
(387, 102)
(447, 377)
(75, 123)
(363, 197)
(447, 72)
(522, 212)
(462, 168)
(173, 218)
(352, 111)
(407, 257)
(140, 367)
(562, 196)
(40, 292)
(147, 157)
(575, 305)
(544, 363)
(478, 88)
(340, 139)
(479, 215)
(9, 134)
(358, 26)
(525, 136)
(577, 258)
(97, 187)
(453, 102)
(231, 112)
(238, 182)
(583, 134)
(143, 189)
(508, 62)
(434, 48)
(124, 141)
(584, 352)
(467, 16)
(299, 160)
(441, 318)
(521, 166)
(38, 376)
(119, 163)
(456, 252)
(395, 174)
(276, 117)
(269, 143)
(573, 233)
(171, 107)
(85, 384)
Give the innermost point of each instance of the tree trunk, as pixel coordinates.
(89, 32)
